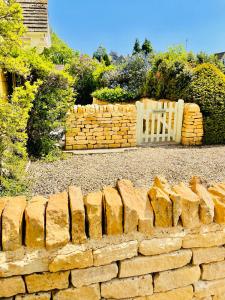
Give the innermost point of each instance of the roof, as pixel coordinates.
(220, 55)
(35, 14)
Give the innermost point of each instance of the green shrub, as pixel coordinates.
(207, 89)
(13, 138)
(113, 95)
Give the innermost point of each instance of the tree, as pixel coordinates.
(59, 52)
(147, 47)
(137, 47)
(102, 56)
(11, 26)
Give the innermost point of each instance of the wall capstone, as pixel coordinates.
(87, 248)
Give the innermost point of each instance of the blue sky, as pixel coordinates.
(86, 24)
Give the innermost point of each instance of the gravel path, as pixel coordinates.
(92, 172)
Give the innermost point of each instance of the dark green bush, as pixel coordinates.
(207, 89)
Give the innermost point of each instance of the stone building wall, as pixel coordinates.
(165, 243)
(101, 126)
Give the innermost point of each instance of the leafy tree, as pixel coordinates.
(59, 52)
(147, 47)
(137, 47)
(81, 69)
(101, 55)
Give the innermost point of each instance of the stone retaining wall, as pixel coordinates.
(101, 126)
(165, 243)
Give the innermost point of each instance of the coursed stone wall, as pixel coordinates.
(165, 243)
(101, 126)
(192, 131)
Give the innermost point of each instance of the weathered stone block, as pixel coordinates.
(94, 275)
(145, 212)
(11, 286)
(150, 264)
(127, 288)
(208, 288)
(185, 293)
(91, 292)
(57, 221)
(109, 254)
(26, 263)
(209, 239)
(207, 255)
(130, 203)
(70, 258)
(159, 246)
(35, 222)
(113, 209)
(38, 296)
(77, 215)
(170, 280)
(162, 207)
(12, 219)
(206, 201)
(219, 204)
(47, 281)
(190, 205)
(213, 271)
(93, 203)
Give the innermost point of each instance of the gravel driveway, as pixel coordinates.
(94, 171)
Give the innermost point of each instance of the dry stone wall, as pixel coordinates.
(192, 131)
(124, 242)
(114, 126)
(101, 126)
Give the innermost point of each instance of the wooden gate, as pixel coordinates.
(159, 121)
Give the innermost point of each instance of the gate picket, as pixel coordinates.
(159, 121)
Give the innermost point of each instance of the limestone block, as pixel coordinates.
(113, 210)
(94, 275)
(93, 203)
(47, 281)
(185, 293)
(159, 246)
(163, 184)
(190, 205)
(12, 219)
(35, 222)
(111, 253)
(219, 204)
(162, 207)
(11, 286)
(217, 190)
(130, 203)
(77, 215)
(206, 201)
(203, 240)
(70, 258)
(145, 211)
(207, 255)
(38, 296)
(170, 280)
(26, 263)
(91, 292)
(57, 221)
(2, 206)
(150, 264)
(208, 288)
(127, 288)
(219, 297)
(213, 271)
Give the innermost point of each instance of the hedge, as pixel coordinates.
(207, 89)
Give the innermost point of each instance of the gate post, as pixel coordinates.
(180, 114)
(139, 125)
